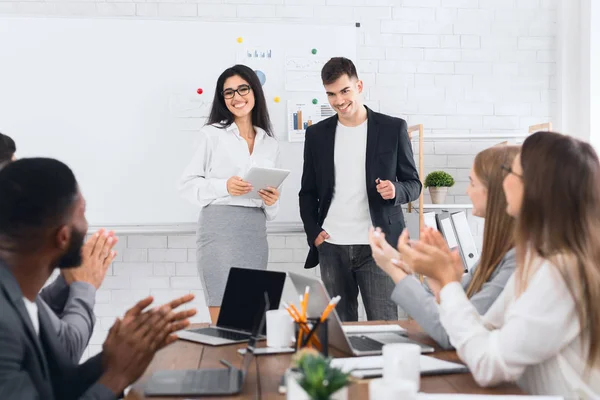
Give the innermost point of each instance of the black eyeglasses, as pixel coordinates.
(509, 170)
(242, 90)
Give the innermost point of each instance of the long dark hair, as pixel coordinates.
(221, 116)
(560, 221)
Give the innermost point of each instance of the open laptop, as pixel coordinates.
(242, 300)
(366, 344)
(209, 382)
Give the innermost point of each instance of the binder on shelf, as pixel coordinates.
(465, 239)
(429, 220)
(445, 227)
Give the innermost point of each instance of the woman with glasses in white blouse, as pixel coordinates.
(237, 136)
(544, 330)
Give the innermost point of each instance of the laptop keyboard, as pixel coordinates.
(208, 380)
(363, 343)
(223, 334)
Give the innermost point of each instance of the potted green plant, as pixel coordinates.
(313, 378)
(438, 183)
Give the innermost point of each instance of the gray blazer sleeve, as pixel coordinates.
(80, 382)
(55, 295)
(92, 370)
(491, 289)
(98, 392)
(77, 319)
(15, 382)
(422, 307)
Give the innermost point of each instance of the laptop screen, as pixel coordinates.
(244, 297)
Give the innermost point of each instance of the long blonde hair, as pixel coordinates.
(559, 221)
(499, 226)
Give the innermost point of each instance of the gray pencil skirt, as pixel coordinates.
(229, 236)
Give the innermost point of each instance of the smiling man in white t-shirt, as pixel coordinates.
(358, 171)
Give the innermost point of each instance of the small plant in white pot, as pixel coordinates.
(438, 183)
(313, 378)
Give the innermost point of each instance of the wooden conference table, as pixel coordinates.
(264, 374)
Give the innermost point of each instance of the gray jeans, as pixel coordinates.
(347, 268)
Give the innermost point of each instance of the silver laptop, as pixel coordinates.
(367, 344)
(241, 301)
(211, 381)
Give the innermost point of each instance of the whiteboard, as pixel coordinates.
(116, 99)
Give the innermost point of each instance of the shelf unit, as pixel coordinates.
(446, 206)
(417, 131)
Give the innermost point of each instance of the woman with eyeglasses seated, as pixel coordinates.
(485, 281)
(237, 136)
(543, 331)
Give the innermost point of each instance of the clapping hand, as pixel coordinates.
(386, 257)
(97, 255)
(431, 257)
(133, 341)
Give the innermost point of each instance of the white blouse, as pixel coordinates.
(535, 339)
(221, 154)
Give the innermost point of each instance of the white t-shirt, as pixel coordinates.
(348, 219)
(32, 310)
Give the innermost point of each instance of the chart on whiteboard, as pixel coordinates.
(264, 61)
(302, 115)
(189, 112)
(303, 74)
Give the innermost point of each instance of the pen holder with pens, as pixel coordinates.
(313, 334)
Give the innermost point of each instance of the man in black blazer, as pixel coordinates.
(42, 225)
(358, 171)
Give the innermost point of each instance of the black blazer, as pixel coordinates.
(389, 157)
(38, 367)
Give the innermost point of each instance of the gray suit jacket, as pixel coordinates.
(420, 304)
(35, 367)
(71, 312)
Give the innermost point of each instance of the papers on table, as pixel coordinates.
(370, 367)
(425, 396)
(358, 329)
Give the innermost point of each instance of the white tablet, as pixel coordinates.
(262, 178)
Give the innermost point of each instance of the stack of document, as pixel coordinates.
(371, 367)
(364, 329)
(425, 396)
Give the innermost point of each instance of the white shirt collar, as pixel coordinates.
(260, 133)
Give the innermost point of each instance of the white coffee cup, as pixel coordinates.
(280, 328)
(401, 362)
